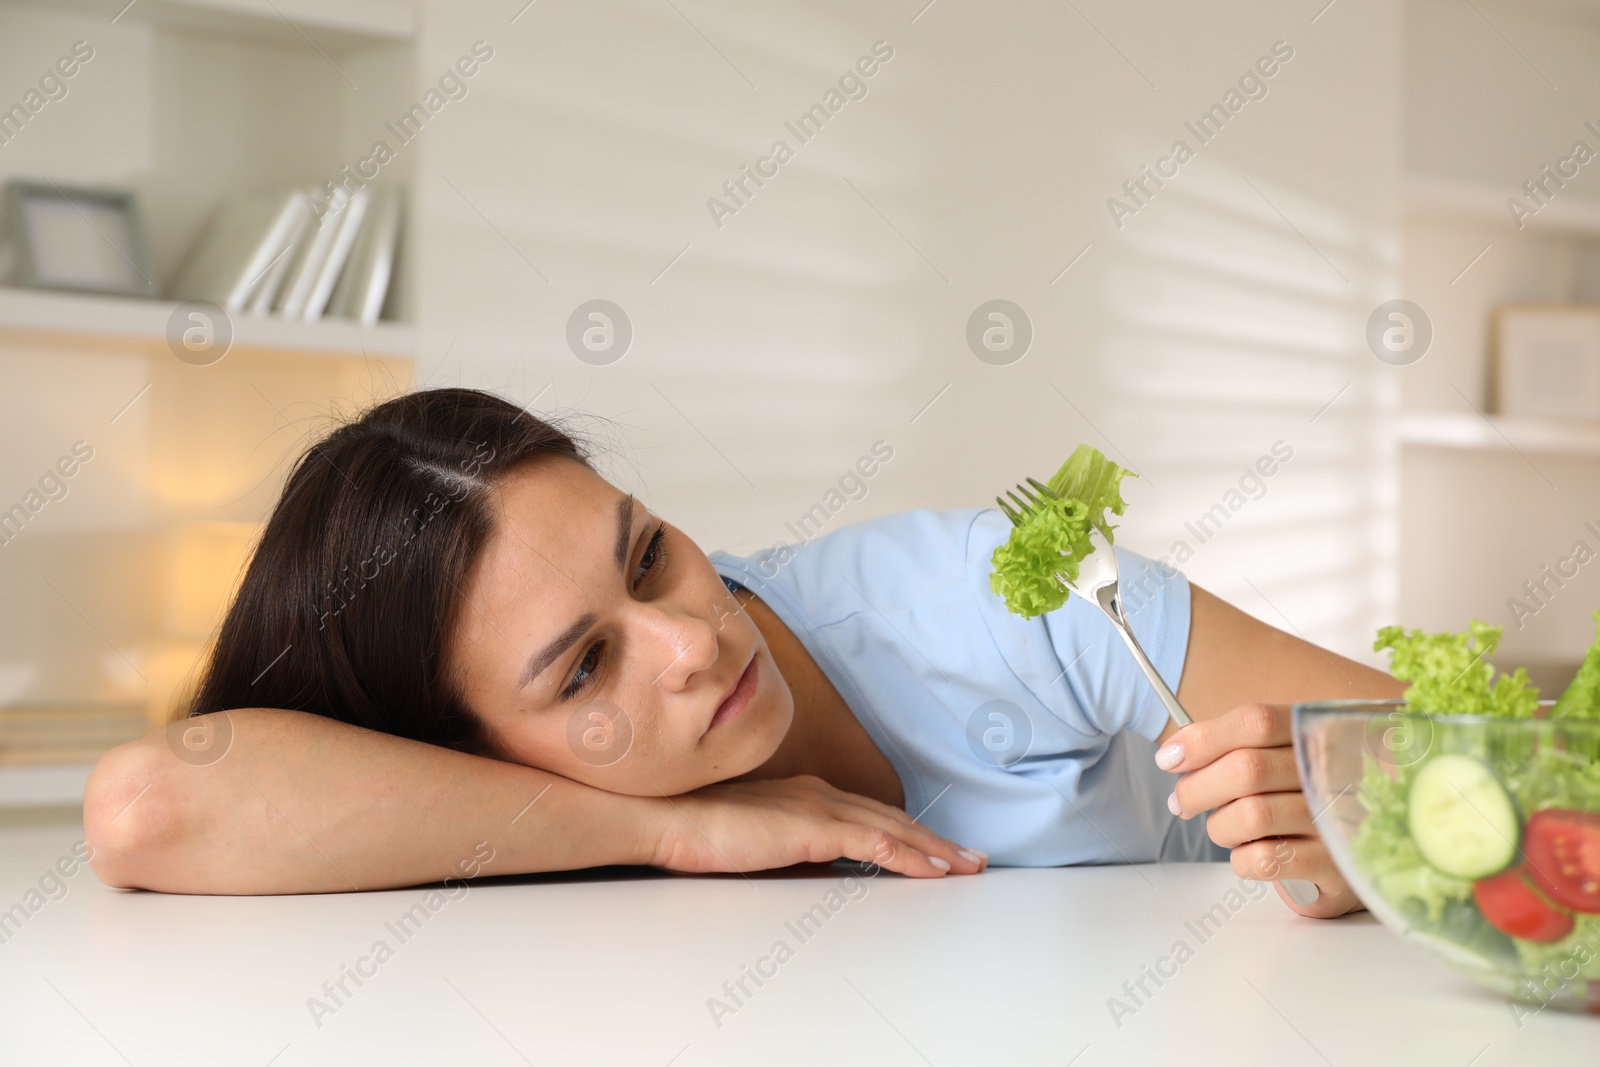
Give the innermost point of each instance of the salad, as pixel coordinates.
(1054, 534)
(1487, 834)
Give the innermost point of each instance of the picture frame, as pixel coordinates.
(75, 239)
(1545, 361)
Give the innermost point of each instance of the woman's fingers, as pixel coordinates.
(884, 849)
(1241, 766)
(957, 859)
(1258, 816)
(1233, 775)
(778, 822)
(962, 860)
(905, 830)
(1298, 857)
(1246, 726)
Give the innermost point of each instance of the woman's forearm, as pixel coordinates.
(299, 803)
(1234, 658)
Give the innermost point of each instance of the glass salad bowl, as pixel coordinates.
(1475, 837)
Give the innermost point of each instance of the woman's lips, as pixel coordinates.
(739, 699)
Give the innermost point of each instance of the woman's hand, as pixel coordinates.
(748, 826)
(1241, 764)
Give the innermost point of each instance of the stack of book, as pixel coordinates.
(294, 254)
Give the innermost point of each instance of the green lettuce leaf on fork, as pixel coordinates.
(1054, 537)
(1450, 673)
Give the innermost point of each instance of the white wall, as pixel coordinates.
(1489, 102)
(823, 317)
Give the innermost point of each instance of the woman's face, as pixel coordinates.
(598, 643)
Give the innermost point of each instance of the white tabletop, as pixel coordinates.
(1012, 966)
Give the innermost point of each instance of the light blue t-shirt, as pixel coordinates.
(1031, 739)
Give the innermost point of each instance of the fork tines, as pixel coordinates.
(1018, 513)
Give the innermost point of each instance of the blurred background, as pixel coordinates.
(1371, 269)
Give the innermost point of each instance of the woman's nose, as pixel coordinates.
(684, 644)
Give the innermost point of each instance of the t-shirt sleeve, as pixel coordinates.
(1100, 670)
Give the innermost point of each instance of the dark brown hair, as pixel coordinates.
(350, 597)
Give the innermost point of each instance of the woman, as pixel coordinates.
(456, 640)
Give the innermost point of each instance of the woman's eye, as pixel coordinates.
(584, 675)
(655, 553)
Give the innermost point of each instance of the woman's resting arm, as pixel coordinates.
(299, 803)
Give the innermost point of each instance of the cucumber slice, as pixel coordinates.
(1461, 817)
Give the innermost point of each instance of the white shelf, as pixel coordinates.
(35, 314)
(1500, 433)
(1429, 196)
(27, 787)
(334, 25)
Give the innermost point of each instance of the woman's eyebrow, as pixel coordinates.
(553, 650)
(624, 528)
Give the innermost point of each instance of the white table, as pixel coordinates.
(1013, 966)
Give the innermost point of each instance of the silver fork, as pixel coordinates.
(1097, 583)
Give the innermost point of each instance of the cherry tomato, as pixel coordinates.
(1563, 850)
(1512, 905)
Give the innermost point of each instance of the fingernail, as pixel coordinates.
(1173, 805)
(972, 857)
(1302, 891)
(1170, 756)
(942, 864)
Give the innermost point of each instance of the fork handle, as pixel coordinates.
(1111, 604)
(1302, 891)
